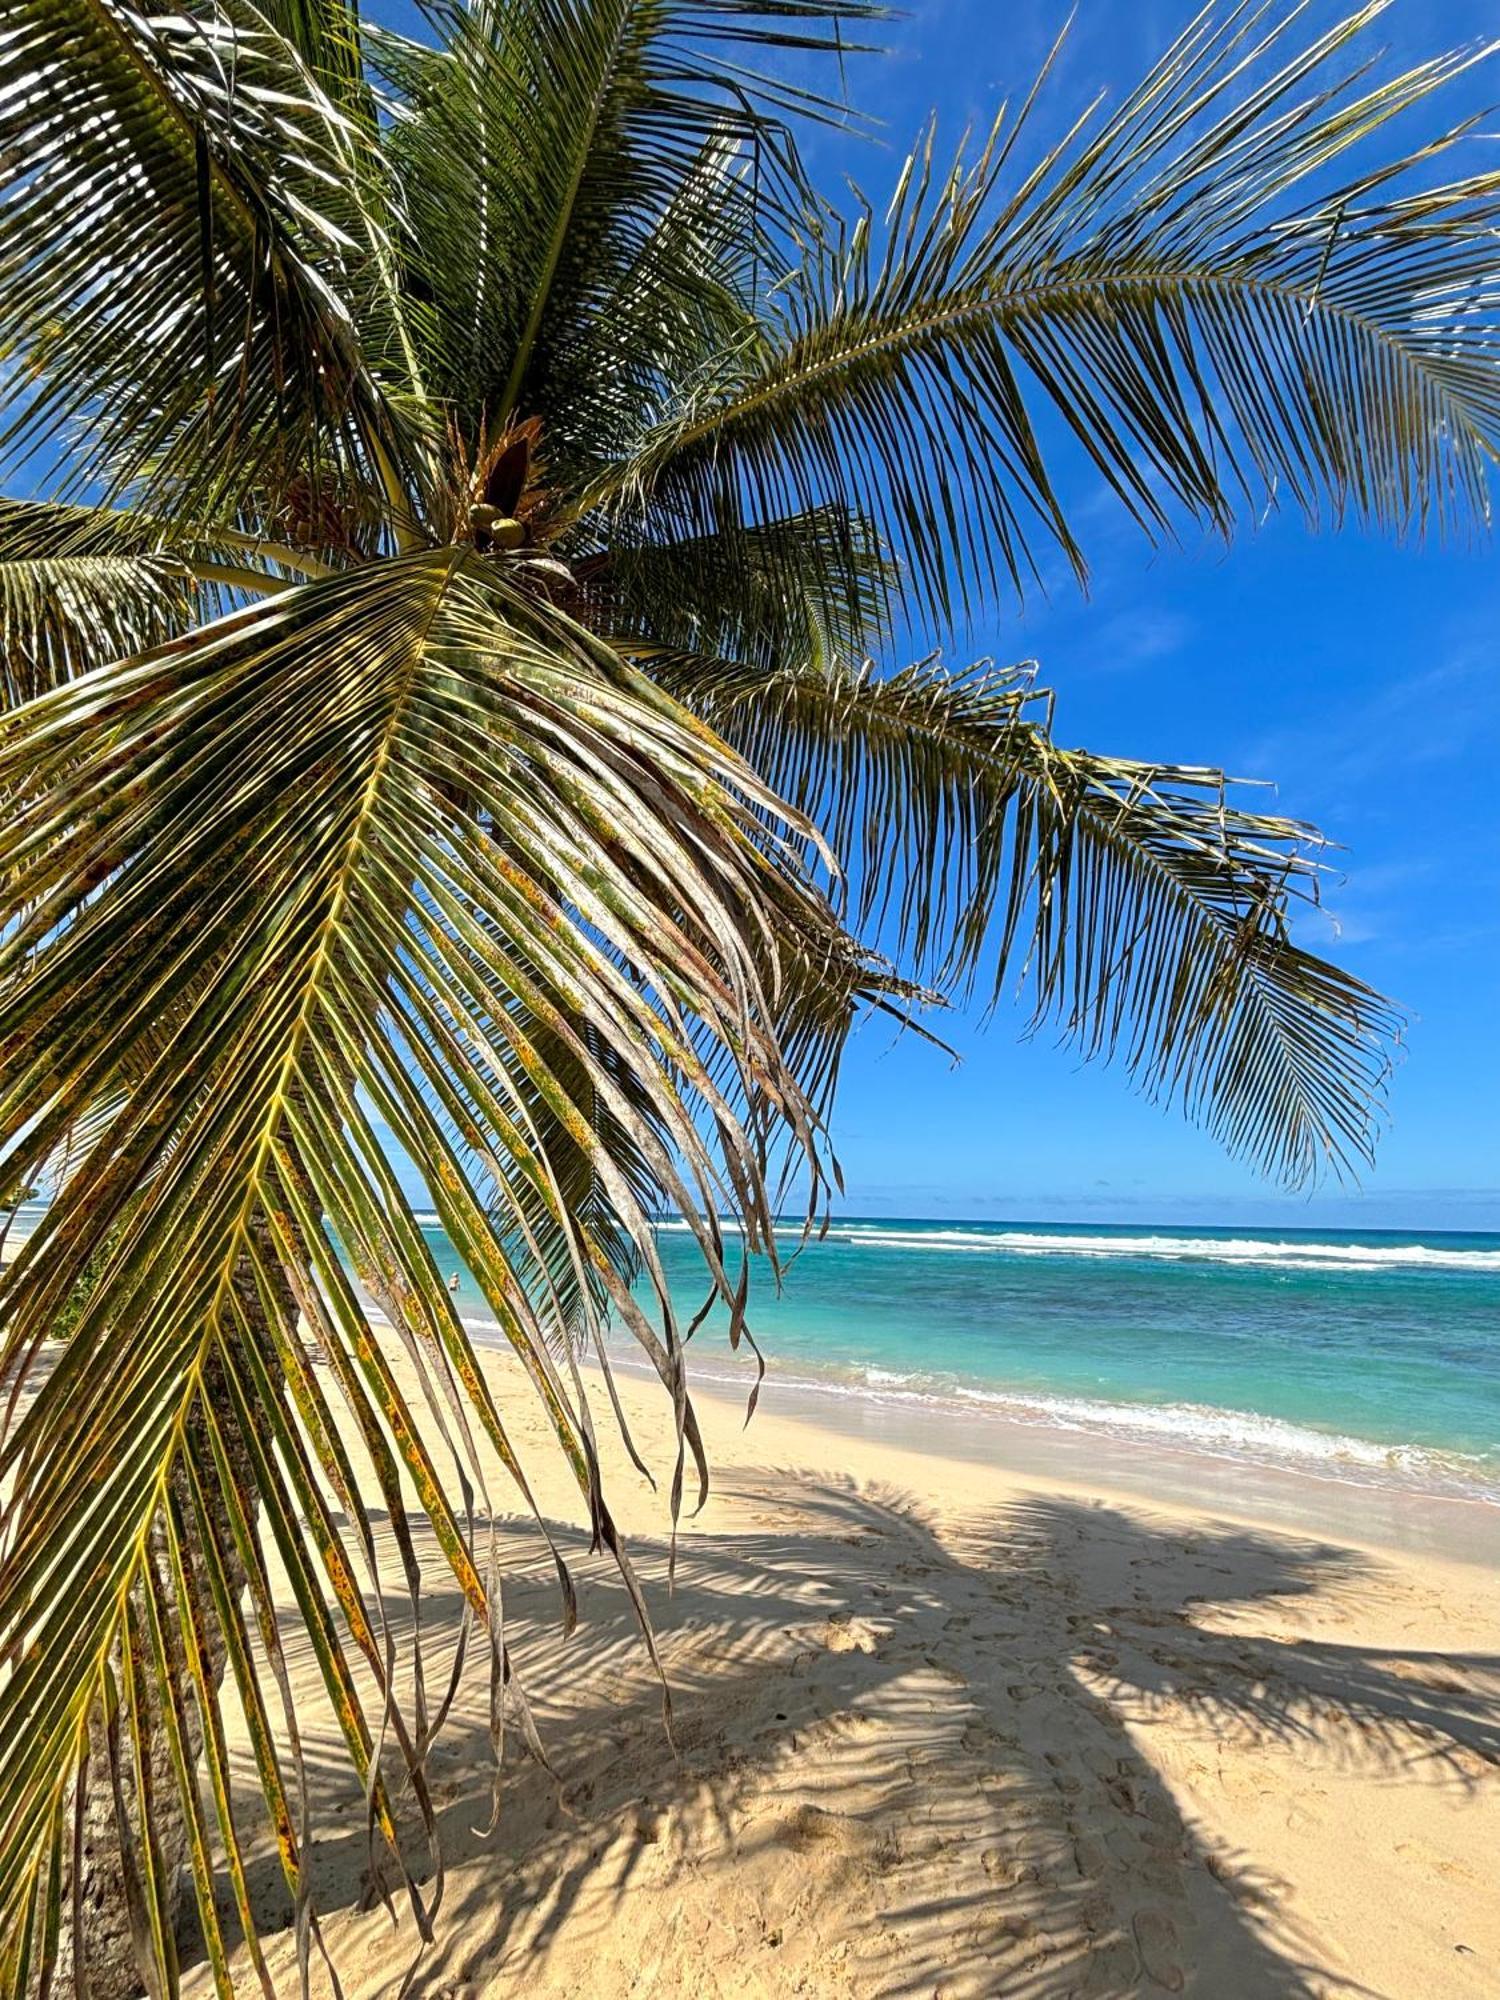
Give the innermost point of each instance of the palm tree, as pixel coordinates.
(457, 483)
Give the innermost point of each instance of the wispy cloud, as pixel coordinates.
(1409, 724)
(1131, 638)
(1366, 904)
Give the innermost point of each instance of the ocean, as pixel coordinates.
(1361, 1354)
(1364, 1355)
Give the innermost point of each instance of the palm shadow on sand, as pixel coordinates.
(940, 1718)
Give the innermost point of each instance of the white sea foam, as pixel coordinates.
(1242, 1435)
(1284, 1254)
(1236, 1433)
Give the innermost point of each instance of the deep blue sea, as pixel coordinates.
(1360, 1353)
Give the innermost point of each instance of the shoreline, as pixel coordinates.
(1382, 1516)
(1299, 1464)
(1368, 1365)
(1391, 1513)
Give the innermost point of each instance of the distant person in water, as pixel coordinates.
(453, 1282)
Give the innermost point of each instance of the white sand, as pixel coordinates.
(951, 1729)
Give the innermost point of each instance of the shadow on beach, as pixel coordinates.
(908, 1763)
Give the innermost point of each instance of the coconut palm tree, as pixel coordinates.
(459, 484)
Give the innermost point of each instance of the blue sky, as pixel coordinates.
(1356, 675)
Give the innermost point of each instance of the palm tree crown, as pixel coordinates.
(460, 485)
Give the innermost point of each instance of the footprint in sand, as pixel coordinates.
(1156, 1938)
(1090, 1855)
(1113, 1970)
(1162, 1874)
(1440, 1864)
(979, 1739)
(811, 1826)
(843, 1634)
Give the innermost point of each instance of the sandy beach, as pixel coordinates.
(958, 1722)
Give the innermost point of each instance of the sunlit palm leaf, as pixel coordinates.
(760, 596)
(579, 170)
(1178, 285)
(1149, 910)
(73, 593)
(185, 241)
(81, 585)
(326, 34)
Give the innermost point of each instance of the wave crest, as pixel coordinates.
(1283, 1253)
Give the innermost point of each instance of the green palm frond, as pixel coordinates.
(303, 893)
(577, 1299)
(611, 154)
(761, 595)
(72, 595)
(83, 585)
(1151, 913)
(327, 35)
(1178, 286)
(187, 241)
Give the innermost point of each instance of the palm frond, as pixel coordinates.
(610, 153)
(186, 244)
(246, 906)
(82, 585)
(75, 591)
(1150, 911)
(761, 595)
(327, 34)
(1182, 286)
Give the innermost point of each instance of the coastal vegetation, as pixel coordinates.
(459, 485)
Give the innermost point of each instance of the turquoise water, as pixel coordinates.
(1360, 1353)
